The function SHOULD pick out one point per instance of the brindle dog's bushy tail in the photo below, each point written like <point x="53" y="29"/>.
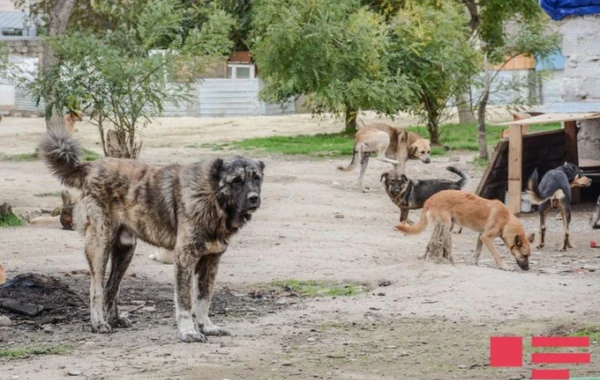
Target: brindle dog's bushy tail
<point x="352" y="163"/>
<point x="62" y="154"/>
<point x="463" y="177"/>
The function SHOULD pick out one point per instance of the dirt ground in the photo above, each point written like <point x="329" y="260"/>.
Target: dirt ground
<point x="433" y="321"/>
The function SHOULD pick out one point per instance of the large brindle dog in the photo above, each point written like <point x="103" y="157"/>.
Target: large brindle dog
<point x="191" y="209"/>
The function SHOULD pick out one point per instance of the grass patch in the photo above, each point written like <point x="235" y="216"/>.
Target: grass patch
<point x="23" y="157"/>
<point x="10" y="220"/>
<point x="90" y="155"/>
<point x="17" y="353"/>
<point x="452" y="136"/>
<point x="318" y="289"/>
<point x="592" y="332"/>
<point x="46" y="195"/>
<point x="464" y="136"/>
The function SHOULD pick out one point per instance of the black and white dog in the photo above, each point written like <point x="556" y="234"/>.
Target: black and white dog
<point x="554" y="191"/>
<point x="410" y="194"/>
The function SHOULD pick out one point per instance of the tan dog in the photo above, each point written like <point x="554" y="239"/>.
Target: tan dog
<point x="71" y="118"/>
<point x="2" y="275"/>
<point x="163" y="256"/>
<point x="392" y="145"/>
<point x="491" y="218"/>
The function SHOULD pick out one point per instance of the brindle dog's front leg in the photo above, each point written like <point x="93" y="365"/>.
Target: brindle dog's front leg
<point x="204" y="285"/>
<point x="185" y="264"/>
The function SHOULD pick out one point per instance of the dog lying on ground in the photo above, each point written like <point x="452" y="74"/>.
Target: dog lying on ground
<point x="596" y="216"/>
<point x="392" y="145"/>
<point x="491" y="218"/>
<point x="410" y="194"/>
<point x="2" y="275"/>
<point x="554" y="191"/>
<point x="163" y="256"/>
<point x="192" y="210"/>
<point x="71" y="117"/>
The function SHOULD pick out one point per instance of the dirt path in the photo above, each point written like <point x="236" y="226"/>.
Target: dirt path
<point x="432" y="321"/>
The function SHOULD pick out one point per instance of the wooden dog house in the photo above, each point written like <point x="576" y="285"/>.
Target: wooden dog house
<point x="515" y="159"/>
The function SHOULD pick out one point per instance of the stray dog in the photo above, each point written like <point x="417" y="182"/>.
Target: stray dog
<point x="491" y="218"/>
<point x="554" y="191"/>
<point x="71" y="118"/>
<point x="596" y="216"/>
<point x="392" y="145"/>
<point x="411" y="195"/>
<point x="2" y="275"/>
<point x="192" y="210"/>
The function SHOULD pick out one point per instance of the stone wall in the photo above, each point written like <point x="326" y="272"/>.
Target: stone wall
<point x="25" y="47"/>
<point x="581" y="81"/>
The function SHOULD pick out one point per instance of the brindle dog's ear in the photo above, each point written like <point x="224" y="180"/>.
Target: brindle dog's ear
<point x="262" y="165"/>
<point x="404" y="178"/>
<point x="216" y="169"/>
<point x="386" y="176"/>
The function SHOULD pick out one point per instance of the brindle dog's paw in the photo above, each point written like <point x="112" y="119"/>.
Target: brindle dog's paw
<point x="121" y="322"/>
<point x="191" y="337"/>
<point x="215" y="331"/>
<point x="101" y="328"/>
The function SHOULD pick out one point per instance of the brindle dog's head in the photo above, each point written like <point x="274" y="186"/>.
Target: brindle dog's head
<point x="239" y="182"/>
<point x="395" y="185"/>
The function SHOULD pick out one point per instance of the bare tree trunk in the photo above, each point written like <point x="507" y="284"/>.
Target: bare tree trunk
<point x="481" y="111"/>
<point x="351" y="116"/>
<point x="440" y="245"/>
<point x="58" y="17"/>
<point x="433" y="118"/>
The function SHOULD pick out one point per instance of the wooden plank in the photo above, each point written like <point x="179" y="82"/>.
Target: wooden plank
<point x="515" y="167"/>
<point x="572" y="154"/>
<point x="553" y="118"/>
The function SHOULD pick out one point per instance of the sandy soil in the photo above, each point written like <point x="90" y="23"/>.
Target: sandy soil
<point x="433" y="321"/>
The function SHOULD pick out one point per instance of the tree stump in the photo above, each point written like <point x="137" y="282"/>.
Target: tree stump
<point x="440" y="245"/>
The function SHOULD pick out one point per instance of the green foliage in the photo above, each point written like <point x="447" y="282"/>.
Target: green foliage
<point x="90" y="155"/>
<point x="430" y="45"/>
<point x="120" y="79"/>
<point x="319" y="289"/>
<point x="334" y="52"/>
<point x="17" y="353"/>
<point x="10" y="220"/>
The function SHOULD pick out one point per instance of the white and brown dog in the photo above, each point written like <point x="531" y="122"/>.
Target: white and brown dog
<point x="392" y="145"/>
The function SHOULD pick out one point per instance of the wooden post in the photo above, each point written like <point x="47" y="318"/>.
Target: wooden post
<point x="515" y="167"/>
<point x="572" y="154"/>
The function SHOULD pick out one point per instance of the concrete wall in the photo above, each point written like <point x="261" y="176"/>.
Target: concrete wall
<point x="581" y="81"/>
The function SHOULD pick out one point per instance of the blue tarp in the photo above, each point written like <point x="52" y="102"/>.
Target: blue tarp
<point x="559" y="9"/>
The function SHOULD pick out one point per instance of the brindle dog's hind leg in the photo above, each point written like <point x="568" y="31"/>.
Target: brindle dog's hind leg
<point x="122" y="253"/>
<point x="565" y="209"/>
<point x="544" y="208"/>
<point x="98" y="246"/>
<point x="204" y="285"/>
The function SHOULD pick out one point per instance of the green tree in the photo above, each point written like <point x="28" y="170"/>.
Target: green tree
<point x="430" y="45"/>
<point x="499" y="44"/>
<point x="334" y="52"/>
<point x="117" y="78"/>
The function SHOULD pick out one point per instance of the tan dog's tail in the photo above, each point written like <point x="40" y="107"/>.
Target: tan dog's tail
<point x="416" y="228"/>
<point x="62" y="154"/>
<point x="352" y="163"/>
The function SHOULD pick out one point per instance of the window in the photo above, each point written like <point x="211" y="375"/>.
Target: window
<point x="240" y="71"/>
